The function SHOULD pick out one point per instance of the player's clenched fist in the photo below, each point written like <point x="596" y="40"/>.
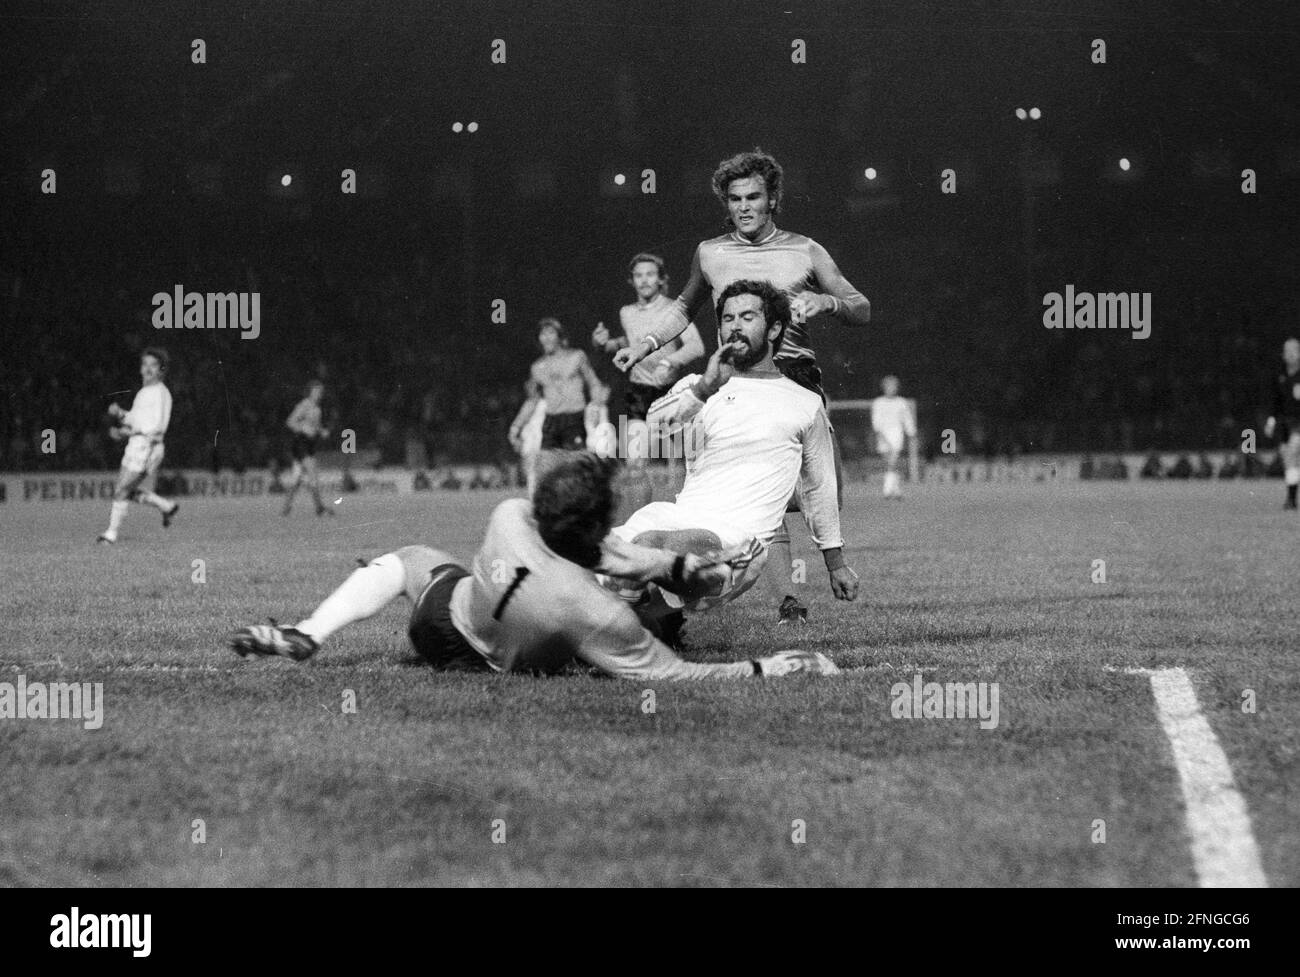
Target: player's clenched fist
<point x="844" y="583"/>
<point x="629" y="356"/>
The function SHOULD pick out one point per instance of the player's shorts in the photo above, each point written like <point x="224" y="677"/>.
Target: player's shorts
<point x="302" y="447"/>
<point x="670" y="517"/>
<point x="889" y="443"/>
<point x="141" y="461"/>
<point x="433" y="636"/>
<point x="638" y="397"/>
<point x="564" y="432"/>
<point x="805" y="372"/>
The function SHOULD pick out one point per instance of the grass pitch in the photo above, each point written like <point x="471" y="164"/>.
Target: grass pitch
<point x="465" y="780"/>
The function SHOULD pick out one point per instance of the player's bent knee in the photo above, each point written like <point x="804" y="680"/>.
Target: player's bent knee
<point x="416" y="563"/>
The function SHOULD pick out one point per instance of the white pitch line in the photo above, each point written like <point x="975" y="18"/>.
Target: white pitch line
<point x="1224" y="852"/>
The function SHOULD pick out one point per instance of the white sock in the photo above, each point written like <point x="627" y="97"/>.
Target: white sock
<point x="115" y="516"/>
<point x="365" y="593"/>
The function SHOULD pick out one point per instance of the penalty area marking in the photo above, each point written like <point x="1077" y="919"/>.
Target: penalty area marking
<point x="1224" y="852"/>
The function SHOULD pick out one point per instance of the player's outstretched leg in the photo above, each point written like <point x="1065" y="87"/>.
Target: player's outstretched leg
<point x="363" y="594"/>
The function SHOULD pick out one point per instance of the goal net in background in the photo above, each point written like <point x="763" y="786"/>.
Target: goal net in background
<point x="852" y="422"/>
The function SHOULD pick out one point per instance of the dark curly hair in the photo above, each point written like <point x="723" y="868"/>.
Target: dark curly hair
<point x="776" y="304"/>
<point x="742" y="165"/>
<point x="573" y="504"/>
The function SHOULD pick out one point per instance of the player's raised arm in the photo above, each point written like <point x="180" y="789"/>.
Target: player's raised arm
<point x="839" y="297"/>
<point x="672" y="323"/>
<point x="820" y="501"/>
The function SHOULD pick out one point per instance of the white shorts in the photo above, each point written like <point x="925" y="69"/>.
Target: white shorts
<point x="141" y="457"/>
<point x="889" y="443"/>
<point x="670" y="517"/>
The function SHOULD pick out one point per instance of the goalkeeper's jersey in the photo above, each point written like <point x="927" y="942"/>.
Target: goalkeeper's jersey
<point x="524" y="607"/>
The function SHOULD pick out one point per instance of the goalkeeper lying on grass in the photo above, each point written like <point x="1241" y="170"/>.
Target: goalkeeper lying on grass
<point x="531" y="602"/>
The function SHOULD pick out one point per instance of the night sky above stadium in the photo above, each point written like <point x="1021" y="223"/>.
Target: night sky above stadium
<point x="163" y="163"/>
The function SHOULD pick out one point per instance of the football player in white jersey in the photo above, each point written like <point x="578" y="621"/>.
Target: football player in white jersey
<point x="529" y="601"/>
<point x="752" y="435"/>
<point x="143" y="427"/>
<point x="892" y="422"/>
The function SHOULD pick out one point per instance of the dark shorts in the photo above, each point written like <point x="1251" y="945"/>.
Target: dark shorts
<point x="302" y="447"/>
<point x="804" y="372"/>
<point x="638" y="397"/>
<point x="564" y="432"/>
<point x="432" y="634"/>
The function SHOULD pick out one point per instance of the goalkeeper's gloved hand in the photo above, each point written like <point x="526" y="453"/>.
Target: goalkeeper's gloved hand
<point x="795" y="660"/>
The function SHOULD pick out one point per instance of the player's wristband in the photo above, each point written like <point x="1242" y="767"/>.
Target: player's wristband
<point x="654" y="343"/>
<point x="834" y="559"/>
<point x="835" y="308"/>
